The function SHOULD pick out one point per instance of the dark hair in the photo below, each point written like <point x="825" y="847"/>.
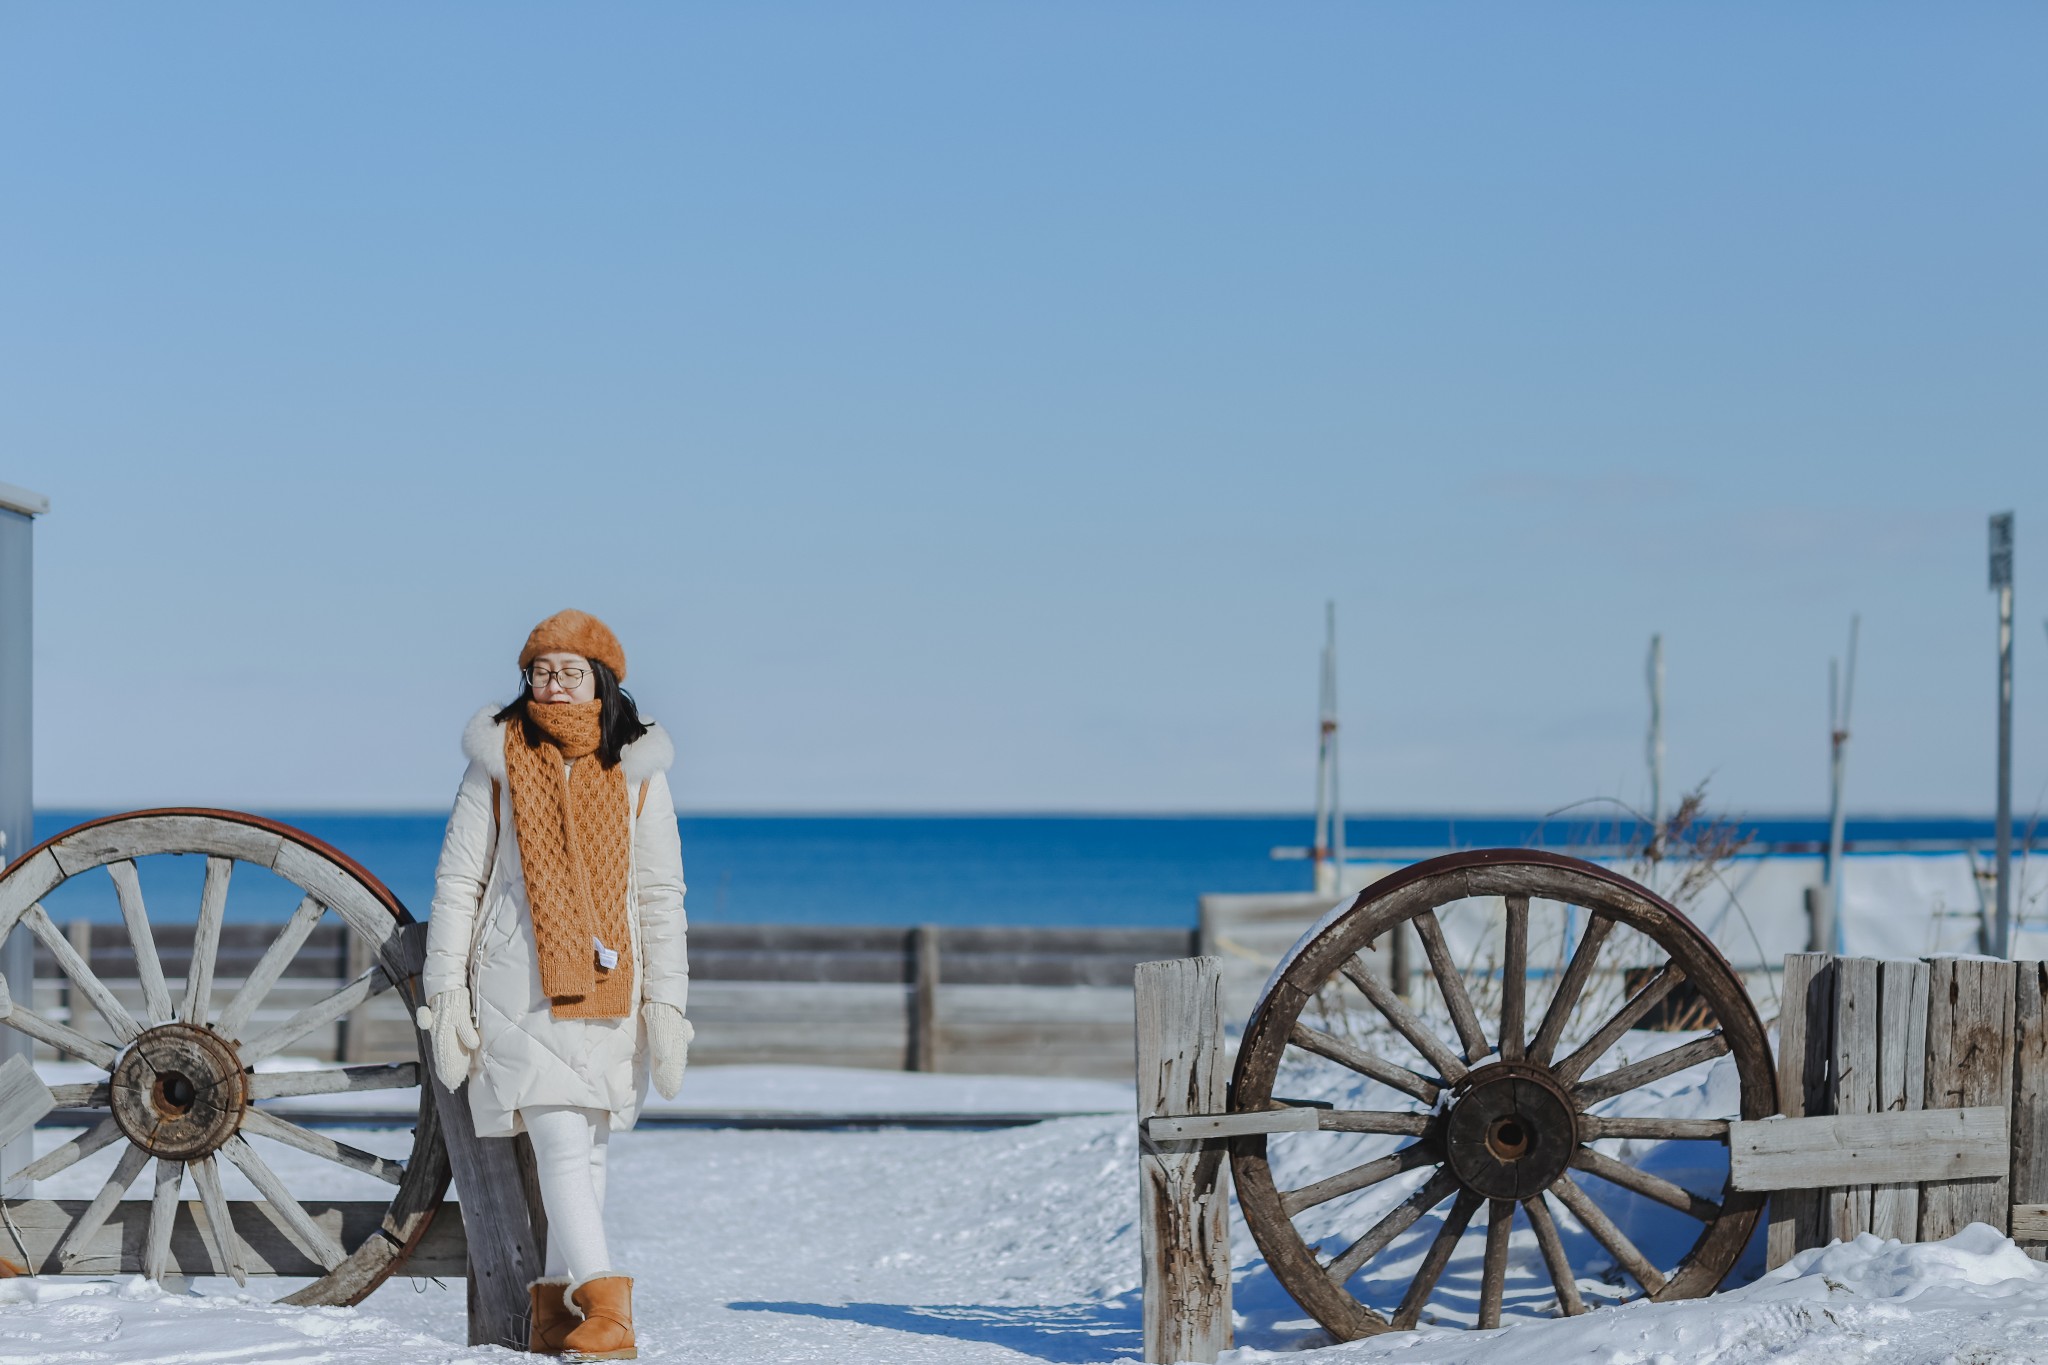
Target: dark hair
<point x="619" y="722"/>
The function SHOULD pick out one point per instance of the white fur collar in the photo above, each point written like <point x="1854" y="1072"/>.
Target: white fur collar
<point x="483" y="741"/>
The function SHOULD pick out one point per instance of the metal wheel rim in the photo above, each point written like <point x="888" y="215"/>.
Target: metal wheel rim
<point x="1407" y="896"/>
<point x="326" y="877"/>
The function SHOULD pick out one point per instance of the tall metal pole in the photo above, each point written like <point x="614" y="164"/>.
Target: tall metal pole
<point x="1656" y="740"/>
<point x="2001" y="583"/>
<point x="1329" y="849"/>
<point x="1841" y="698"/>
<point x="1337" y="852"/>
<point x="18" y="510"/>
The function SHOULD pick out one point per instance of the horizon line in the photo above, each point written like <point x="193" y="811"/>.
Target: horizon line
<point x="1068" y="813"/>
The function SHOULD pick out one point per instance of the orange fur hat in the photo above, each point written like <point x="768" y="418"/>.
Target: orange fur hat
<point x="576" y="632"/>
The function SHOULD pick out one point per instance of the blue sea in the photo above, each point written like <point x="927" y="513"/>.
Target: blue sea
<point x="969" y="869"/>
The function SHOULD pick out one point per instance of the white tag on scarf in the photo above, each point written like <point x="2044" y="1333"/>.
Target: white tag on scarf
<point x="607" y="958"/>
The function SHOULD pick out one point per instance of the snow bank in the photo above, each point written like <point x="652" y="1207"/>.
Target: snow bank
<point x="1975" y="1299"/>
<point x="1018" y="1245"/>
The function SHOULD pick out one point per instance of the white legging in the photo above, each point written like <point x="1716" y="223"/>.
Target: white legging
<point x="568" y="1150"/>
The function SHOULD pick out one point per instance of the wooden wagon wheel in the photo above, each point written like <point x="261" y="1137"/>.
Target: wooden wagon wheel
<point x="182" y="1086"/>
<point x="1496" y="1116"/>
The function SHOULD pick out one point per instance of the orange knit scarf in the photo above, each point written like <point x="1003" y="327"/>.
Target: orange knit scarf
<point x="575" y="841"/>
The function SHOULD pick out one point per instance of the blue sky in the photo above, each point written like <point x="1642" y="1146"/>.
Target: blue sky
<point x="970" y="407"/>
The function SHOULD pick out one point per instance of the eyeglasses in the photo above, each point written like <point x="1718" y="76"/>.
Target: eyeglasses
<point x="571" y="678"/>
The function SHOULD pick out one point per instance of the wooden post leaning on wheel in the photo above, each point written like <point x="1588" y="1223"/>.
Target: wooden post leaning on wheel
<point x="1183" y="1200"/>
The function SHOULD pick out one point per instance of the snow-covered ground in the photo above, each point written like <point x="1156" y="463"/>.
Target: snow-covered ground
<point x="1006" y="1245"/>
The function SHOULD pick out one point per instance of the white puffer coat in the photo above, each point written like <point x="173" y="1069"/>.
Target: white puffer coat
<point x="480" y="936"/>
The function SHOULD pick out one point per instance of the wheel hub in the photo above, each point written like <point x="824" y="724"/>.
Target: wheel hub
<point x="1511" y="1131"/>
<point x="179" y="1092"/>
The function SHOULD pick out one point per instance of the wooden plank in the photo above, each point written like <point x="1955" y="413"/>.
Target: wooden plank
<point x="1812" y="1153"/>
<point x="1853" y="1082"/>
<point x="1806" y="1003"/>
<point x="504" y="1257"/>
<point x="1969" y="1063"/>
<point x="1184" y="1203"/>
<point x="120" y="1245"/>
<point x="23" y="1098"/>
<point x="1200" y="1126"/>
<point x="2030" y="1094"/>
<point x="2029" y="1223"/>
<point x="1902" y="1082"/>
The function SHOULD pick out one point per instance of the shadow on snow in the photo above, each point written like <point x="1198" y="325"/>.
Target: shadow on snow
<point x="1065" y="1334"/>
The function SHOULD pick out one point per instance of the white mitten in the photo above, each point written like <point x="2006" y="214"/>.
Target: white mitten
<point x="668" y="1039"/>
<point x="453" y="1033"/>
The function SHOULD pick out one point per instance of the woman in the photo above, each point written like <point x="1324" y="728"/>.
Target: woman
<point x="556" y="975"/>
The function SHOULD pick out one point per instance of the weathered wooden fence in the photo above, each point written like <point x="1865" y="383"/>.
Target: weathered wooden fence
<point x="992" y="1000"/>
<point x="1935" y="1077"/>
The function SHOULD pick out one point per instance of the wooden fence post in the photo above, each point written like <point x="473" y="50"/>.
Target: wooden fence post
<point x="924" y="998"/>
<point x="1806" y="1007"/>
<point x="353" y="1044"/>
<point x="1969" y="1063"/>
<point x="1183" y="1202"/>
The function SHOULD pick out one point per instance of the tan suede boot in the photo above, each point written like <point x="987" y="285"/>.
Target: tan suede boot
<point x="606" y="1332"/>
<point x="551" y="1316"/>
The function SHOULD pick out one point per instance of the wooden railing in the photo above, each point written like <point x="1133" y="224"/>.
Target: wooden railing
<point x="1037" y="1001"/>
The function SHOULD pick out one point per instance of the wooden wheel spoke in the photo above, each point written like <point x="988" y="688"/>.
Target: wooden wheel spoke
<point x="342" y="1080"/>
<point x="102" y="1135"/>
<point x="318" y="1015"/>
<point x="1514" y="981"/>
<point x="1626" y="1078"/>
<point x="24" y="1020"/>
<point x="1649" y="1186"/>
<point x="1627" y="1017"/>
<point x="1397" y="1221"/>
<point x="1566" y="996"/>
<point x="1593" y="1127"/>
<point x="1451" y="984"/>
<point x="1500" y="1223"/>
<point x="1373" y="1121"/>
<point x="1359" y="1060"/>
<point x="264" y="976"/>
<point x="149" y="968"/>
<point x="320" y="1145"/>
<point x="85" y="1095"/>
<point x="310" y="1236"/>
<point x="1441" y="1248"/>
<point x="1406" y="1021"/>
<point x="1409" y="1158"/>
<point x="163" y="1213"/>
<point x="1554" y="1259"/>
<point x="95" y="1214"/>
<point x="213" y="902"/>
<point x="227" y="1243"/>
<point x="82" y="978"/>
<point x="1613" y="1238"/>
